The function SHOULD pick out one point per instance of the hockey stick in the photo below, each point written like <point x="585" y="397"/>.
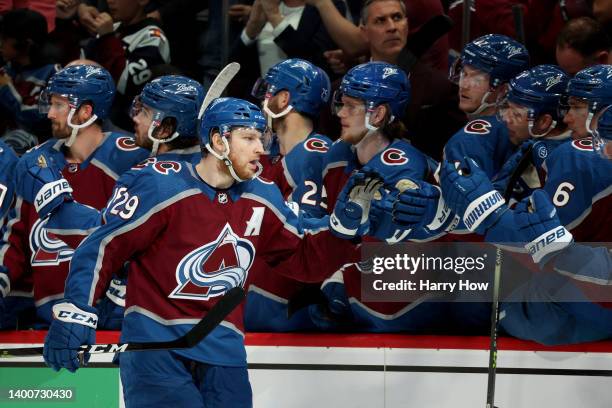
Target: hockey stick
<point x="519" y="25"/>
<point x="219" y="84"/>
<point x="215" y="315"/>
<point x="466" y="22"/>
<point x="492" y="371"/>
<point x="422" y="40"/>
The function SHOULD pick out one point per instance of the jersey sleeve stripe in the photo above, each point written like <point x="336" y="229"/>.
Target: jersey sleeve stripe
<point x="128" y="227"/>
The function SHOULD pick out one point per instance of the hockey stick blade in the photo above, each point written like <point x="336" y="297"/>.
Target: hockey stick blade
<point x="215" y="315"/>
<point x="219" y="84"/>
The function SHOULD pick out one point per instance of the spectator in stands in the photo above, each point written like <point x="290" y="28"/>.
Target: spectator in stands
<point x="45" y="7"/>
<point x="581" y="43"/>
<point x="23" y="33"/>
<point x="276" y="31"/>
<point x="543" y="20"/>
<point x="432" y="116"/>
<point x="128" y="50"/>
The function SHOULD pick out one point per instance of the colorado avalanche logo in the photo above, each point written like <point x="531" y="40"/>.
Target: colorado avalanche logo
<point x="214" y="268"/>
<point x="46" y="248"/>
<point x="126" y="143"/>
<point x="394" y="157"/>
<point x="585" y="145"/>
<point x="316" y="145"/>
<point x="478" y="127"/>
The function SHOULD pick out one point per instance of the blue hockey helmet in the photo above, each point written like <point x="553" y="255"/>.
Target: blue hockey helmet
<point x="602" y="137"/>
<point x="376" y="83"/>
<point x="224" y="114"/>
<point x="173" y="96"/>
<point x="495" y="54"/>
<point x="307" y="84"/>
<point x="540" y="90"/>
<point x="80" y="84"/>
<point x="593" y="84"/>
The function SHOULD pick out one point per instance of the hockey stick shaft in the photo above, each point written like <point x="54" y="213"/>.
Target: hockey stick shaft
<point x="519" y="25"/>
<point x="518" y="171"/>
<point x="466" y="22"/>
<point x="218" y="86"/>
<point x="204" y="327"/>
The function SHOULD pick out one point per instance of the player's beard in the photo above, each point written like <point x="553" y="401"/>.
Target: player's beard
<point x="59" y="130"/>
<point x="241" y="169"/>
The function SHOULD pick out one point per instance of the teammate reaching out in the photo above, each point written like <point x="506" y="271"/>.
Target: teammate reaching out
<point x="78" y="98"/>
<point x="293" y="93"/>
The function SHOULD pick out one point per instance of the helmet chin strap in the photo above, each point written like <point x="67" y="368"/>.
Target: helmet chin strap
<point x="587" y="122"/>
<point x="75" y="128"/>
<point x="482" y="107"/>
<point x="271" y="115"/>
<point x="157" y="142"/>
<point x="224" y="157"/>
<point x="550" y="128"/>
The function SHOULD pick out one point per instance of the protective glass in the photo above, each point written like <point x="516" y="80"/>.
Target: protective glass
<point x="513" y="114"/>
<point x="468" y="77"/>
<point x="260" y="89"/>
<point x="352" y="108"/>
<point x="45" y="103"/>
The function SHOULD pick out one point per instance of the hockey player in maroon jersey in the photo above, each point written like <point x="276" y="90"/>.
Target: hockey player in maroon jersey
<point x="78" y="98"/>
<point x="165" y="123"/>
<point x="191" y="233"/>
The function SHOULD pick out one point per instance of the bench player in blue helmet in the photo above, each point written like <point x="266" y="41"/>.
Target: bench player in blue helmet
<point x="533" y="111"/>
<point x="165" y="123"/>
<point x="207" y="223"/>
<point x="482" y="72"/>
<point x="370" y="99"/>
<point x="589" y="91"/>
<point x="293" y="92"/>
<point x="563" y="307"/>
<point x="80" y="161"/>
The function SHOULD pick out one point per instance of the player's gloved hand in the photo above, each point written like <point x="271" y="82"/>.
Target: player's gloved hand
<point x="350" y="216"/>
<point x="40" y="182"/>
<point x="336" y="312"/>
<point x="421" y="205"/>
<point x="470" y="194"/>
<point x="536" y="219"/>
<point x="112" y="306"/>
<point x="381" y="223"/>
<point x="72" y="327"/>
<point x="501" y="179"/>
